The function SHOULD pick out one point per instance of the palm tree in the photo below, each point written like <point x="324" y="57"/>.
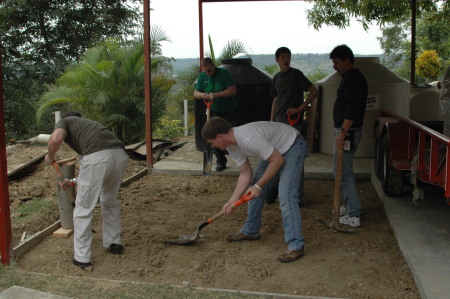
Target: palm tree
<point x="107" y="85"/>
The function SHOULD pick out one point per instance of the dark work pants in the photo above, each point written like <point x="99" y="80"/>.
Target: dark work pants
<point x="231" y="117"/>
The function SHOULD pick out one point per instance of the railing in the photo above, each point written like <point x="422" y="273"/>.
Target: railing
<point x="432" y="149"/>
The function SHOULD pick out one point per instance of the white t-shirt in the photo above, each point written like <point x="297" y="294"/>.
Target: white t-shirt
<point x="259" y="139"/>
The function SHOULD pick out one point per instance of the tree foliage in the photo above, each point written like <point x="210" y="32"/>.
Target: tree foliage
<point x="428" y="65"/>
<point x="107" y="85"/>
<point x="381" y="12"/>
<point x="40" y="38"/>
<point x="395" y="42"/>
<point x="57" y="31"/>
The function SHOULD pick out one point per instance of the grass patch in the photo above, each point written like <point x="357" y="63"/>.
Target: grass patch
<point x="85" y="287"/>
<point x="37" y="207"/>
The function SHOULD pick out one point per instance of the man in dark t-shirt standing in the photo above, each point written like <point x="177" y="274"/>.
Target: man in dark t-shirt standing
<point x="348" y="114"/>
<point x="287" y="89"/>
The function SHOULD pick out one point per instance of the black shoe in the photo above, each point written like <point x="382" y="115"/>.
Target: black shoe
<point x="221" y="166"/>
<point x="80" y="264"/>
<point x="115" y="249"/>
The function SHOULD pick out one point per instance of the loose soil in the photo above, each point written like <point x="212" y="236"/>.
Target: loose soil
<point x="155" y="208"/>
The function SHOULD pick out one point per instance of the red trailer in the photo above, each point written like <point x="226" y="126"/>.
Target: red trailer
<point x="404" y="147"/>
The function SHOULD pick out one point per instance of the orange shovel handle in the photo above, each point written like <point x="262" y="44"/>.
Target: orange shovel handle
<point x="244" y="198"/>
<point x="58" y="171"/>
<point x="293" y="121"/>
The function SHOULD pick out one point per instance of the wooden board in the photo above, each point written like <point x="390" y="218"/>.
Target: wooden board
<point x="63" y="232"/>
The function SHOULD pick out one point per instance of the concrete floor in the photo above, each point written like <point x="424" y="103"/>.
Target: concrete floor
<point x="188" y="161"/>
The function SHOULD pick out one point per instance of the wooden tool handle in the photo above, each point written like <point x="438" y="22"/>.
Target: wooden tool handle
<point x="337" y="186"/>
<point x="58" y="171"/>
<point x="64" y="161"/>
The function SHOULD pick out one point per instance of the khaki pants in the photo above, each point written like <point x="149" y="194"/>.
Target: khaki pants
<point x="98" y="180"/>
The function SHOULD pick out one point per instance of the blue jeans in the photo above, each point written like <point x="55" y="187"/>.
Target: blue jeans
<point x="348" y="187"/>
<point x="288" y="194"/>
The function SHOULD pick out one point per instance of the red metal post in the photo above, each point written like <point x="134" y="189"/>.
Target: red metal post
<point x="200" y="28"/>
<point x="413" y="42"/>
<point x="5" y="217"/>
<point x="147" y="86"/>
<point x="446" y="175"/>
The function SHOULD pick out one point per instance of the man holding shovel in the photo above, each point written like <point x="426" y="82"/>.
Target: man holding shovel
<point x="287" y="89"/>
<point x="103" y="161"/>
<point x="348" y="114"/>
<point x="282" y="149"/>
<point x="216" y="85"/>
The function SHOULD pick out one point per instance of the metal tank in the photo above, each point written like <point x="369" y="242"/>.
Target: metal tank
<point x="252" y="96"/>
<point x="386" y="90"/>
<point x="424" y="104"/>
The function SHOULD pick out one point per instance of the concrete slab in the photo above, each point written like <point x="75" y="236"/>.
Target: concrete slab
<point x="188" y="161"/>
<point x="423" y="235"/>
<point x="17" y="292"/>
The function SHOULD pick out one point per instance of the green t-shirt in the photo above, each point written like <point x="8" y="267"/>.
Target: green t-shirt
<point x="220" y="81"/>
<point x="86" y="136"/>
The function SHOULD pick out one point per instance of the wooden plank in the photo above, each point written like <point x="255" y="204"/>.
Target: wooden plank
<point x="23" y="248"/>
<point x="312" y="126"/>
<point x="21" y="167"/>
<point x="63" y="232"/>
<point x="134" y="177"/>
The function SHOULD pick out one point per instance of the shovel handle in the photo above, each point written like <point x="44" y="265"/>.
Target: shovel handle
<point x="58" y="170"/>
<point x="244" y="198"/>
<point x="64" y="161"/>
<point x="208" y="104"/>
<point x="293" y="121"/>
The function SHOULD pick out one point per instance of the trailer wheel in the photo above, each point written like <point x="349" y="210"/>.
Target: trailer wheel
<point x="392" y="179"/>
<point x="378" y="158"/>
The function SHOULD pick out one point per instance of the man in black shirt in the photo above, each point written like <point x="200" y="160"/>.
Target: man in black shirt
<point x="348" y="115"/>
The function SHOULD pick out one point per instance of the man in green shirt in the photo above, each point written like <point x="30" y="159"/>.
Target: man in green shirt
<point x="216" y="85"/>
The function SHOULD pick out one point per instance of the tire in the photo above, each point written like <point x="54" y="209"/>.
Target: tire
<point x="378" y="157"/>
<point x="392" y="179"/>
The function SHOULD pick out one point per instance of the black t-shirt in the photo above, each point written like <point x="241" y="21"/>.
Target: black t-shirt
<point x="351" y="99"/>
<point x="289" y="87"/>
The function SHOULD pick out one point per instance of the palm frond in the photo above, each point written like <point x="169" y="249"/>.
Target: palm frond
<point x="211" y="49"/>
<point x="233" y="48"/>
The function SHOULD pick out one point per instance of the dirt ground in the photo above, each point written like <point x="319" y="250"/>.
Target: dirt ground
<point x="155" y="208"/>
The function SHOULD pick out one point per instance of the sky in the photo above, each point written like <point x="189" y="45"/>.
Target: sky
<point x="263" y="26"/>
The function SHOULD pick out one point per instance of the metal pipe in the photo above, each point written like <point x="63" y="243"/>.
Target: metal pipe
<point x="147" y="86"/>
<point x="186" y="125"/>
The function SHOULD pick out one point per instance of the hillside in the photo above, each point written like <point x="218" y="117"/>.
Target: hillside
<point x="308" y="63"/>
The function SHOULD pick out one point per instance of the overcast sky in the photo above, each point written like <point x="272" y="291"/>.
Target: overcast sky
<point x="262" y="26"/>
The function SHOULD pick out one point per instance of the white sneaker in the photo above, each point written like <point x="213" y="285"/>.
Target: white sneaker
<point x="352" y="221"/>
<point x="342" y="211"/>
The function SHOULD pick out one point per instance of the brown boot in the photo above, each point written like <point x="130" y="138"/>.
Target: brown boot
<point x="291" y="255"/>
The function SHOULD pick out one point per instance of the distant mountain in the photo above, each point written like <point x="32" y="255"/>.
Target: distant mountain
<point x="307" y="63"/>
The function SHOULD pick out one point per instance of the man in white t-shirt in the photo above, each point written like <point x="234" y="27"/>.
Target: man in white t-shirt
<point x="281" y="149"/>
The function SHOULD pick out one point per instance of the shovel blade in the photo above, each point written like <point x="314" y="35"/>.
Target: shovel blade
<point x="183" y="240"/>
<point x="207" y="161"/>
